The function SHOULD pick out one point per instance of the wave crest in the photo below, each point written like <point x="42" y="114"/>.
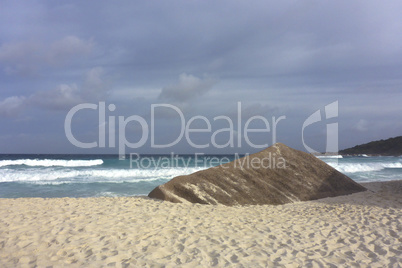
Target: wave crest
<point x="329" y="156"/>
<point x="357" y="167"/>
<point x="52" y="176"/>
<point x="51" y="163"/>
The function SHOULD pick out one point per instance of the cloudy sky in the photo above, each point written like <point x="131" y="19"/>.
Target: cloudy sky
<point x="216" y="62"/>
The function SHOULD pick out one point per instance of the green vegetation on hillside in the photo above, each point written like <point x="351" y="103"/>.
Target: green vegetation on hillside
<point x="392" y="146"/>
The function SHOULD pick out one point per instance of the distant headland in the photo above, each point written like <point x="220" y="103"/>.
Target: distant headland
<point x="388" y="147"/>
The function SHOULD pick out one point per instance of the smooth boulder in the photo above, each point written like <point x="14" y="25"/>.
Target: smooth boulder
<point x="276" y="175"/>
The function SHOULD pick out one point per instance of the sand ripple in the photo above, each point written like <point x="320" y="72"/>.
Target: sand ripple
<point x="360" y="230"/>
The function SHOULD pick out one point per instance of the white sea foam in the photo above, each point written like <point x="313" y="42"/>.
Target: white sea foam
<point x="352" y="168"/>
<point x="329" y="156"/>
<point x="367" y="167"/>
<point x="51" y="163"/>
<point x="54" y="176"/>
<point x="393" y="165"/>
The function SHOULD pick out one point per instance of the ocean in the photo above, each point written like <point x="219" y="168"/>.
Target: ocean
<point x="51" y="176"/>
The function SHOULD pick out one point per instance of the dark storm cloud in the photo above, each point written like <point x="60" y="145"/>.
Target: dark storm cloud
<point x="282" y="58"/>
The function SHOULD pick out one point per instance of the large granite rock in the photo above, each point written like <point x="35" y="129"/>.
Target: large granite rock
<point x="276" y="175"/>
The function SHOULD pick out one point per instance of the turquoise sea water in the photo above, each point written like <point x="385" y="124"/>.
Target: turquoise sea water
<point x="106" y="175"/>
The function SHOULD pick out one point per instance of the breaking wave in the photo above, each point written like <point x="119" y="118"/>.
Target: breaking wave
<point x="329" y="156"/>
<point x="51" y="163"/>
<point x="358" y="167"/>
<point x="54" y="176"/>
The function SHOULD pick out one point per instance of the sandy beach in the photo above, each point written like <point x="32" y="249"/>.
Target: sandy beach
<point x="359" y="230"/>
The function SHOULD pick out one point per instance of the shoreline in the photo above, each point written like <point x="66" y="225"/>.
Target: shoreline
<point x="362" y="229"/>
<point x="146" y="195"/>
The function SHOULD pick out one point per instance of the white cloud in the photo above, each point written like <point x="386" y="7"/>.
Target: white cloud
<point x="95" y="84"/>
<point x="11" y="106"/>
<point x="94" y="88"/>
<point x="188" y="87"/>
<point x="19" y="57"/>
<point x="362" y="125"/>
<point x="28" y="57"/>
<point x="69" y="46"/>
<point x="63" y="97"/>
<point x="11" y="52"/>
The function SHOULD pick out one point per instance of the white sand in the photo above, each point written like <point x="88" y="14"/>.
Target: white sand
<point x="359" y="230"/>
